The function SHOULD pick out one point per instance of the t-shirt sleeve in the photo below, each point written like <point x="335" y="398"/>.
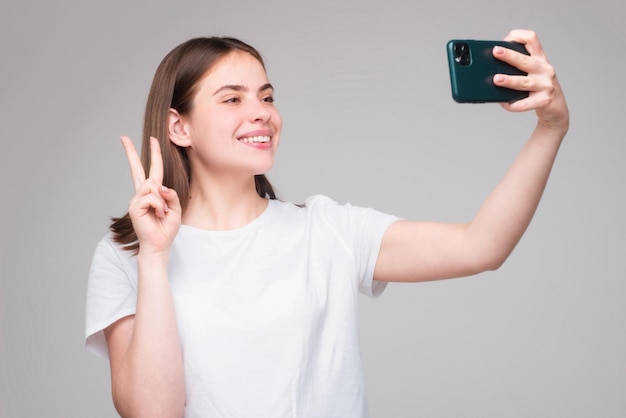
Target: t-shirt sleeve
<point x="362" y="230"/>
<point x="111" y="292"/>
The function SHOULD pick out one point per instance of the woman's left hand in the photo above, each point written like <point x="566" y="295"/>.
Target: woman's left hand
<point x="545" y="94"/>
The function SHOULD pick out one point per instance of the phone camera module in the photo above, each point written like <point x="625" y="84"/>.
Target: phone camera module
<point x="462" y="53"/>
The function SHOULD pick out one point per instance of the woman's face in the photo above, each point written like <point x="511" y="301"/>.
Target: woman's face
<point x="233" y="126"/>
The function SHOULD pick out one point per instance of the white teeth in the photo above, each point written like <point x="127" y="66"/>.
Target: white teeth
<point x="252" y="139"/>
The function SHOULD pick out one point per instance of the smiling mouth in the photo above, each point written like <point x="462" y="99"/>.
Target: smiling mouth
<point x="255" y="139"/>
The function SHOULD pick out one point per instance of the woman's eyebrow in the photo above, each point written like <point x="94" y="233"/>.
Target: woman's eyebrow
<point x="237" y="87"/>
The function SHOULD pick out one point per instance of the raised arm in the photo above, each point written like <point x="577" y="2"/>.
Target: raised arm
<point x="421" y="251"/>
<point x="146" y="361"/>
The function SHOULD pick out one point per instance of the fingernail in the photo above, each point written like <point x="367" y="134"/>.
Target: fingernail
<point x="498" y="50"/>
<point x="164" y="189"/>
<point x="498" y="78"/>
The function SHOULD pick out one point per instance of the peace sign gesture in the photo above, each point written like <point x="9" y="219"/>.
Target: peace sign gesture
<point x="154" y="209"/>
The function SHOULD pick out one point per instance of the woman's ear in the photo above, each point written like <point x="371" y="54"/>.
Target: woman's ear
<point x="177" y="130"/>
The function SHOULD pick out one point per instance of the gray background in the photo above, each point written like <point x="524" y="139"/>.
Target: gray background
<point x="364" y="91"/>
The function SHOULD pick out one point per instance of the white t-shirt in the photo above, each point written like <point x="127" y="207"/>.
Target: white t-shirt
<point x="267" y="314"/>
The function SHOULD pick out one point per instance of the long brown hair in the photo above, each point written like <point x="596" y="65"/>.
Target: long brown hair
<point x="174" y="86"/>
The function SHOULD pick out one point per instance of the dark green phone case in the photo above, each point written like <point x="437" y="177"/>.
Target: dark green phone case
<point x="472" y="67"/>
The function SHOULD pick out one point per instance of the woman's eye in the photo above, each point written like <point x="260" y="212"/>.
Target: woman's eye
<point x="232" y="100"/>
<point x="269" y="99"/>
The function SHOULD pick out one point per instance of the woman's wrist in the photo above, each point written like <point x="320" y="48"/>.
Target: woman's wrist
<point x="153" y="258"/>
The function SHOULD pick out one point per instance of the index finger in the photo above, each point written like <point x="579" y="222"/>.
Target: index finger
<point x="136" y="169"/>
<point x="156" y="161"/>
<point x="528" y="38"/>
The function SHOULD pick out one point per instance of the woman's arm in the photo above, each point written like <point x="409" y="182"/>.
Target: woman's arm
<point x="420" y="251"/>
<point x="144" y="350"/>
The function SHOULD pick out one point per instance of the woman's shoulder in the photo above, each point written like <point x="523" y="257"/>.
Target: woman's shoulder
<point x="319" y="200"/>
<point x="317" y="208"/>
<point x="313" y="201"/>
<point x="108" y="248"/>
<point x="313" y="204"/>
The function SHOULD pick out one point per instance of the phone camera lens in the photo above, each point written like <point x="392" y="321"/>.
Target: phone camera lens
<point x="462" y="53"/>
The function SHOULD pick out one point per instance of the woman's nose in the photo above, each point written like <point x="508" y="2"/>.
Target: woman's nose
<point x="260" y="113"/>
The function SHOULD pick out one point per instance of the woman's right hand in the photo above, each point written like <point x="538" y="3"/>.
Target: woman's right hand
<point x="155" y="210"/>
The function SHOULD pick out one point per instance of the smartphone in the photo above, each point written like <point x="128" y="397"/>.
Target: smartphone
<point x="472" y="67"/>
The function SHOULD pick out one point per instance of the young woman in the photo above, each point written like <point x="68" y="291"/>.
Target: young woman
<point x="213" y="298"/>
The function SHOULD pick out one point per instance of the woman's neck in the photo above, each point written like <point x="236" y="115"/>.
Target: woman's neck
<point x="223" y="205"/>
